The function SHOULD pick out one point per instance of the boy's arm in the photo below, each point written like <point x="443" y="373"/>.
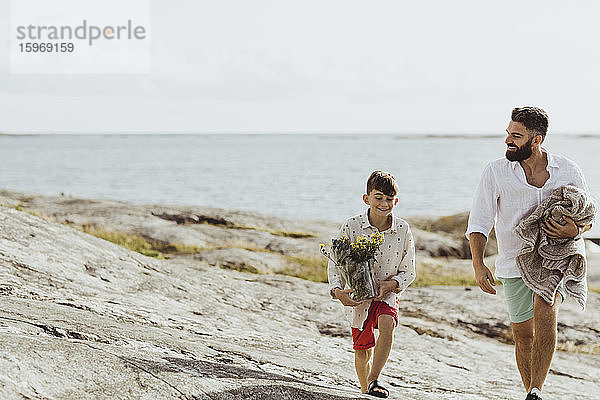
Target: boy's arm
<point x="336" y="281"/>
<point x="335" y="278"/>
<point x="406" y="270"/>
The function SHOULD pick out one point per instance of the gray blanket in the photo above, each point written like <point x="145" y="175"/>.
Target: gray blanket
<point x="543" y="261"/>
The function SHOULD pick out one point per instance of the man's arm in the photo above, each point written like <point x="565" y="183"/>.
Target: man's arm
<point x="481" y="221"/>
<point x="581" y="183"/>
<point x="569" y="230"/>
<point x="483" y="275"/>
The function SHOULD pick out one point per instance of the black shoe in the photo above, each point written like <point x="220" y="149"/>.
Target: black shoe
<point x="533" y="396"/>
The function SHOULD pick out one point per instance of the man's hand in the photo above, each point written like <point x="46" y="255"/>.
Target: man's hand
<point x="344" y="297"/>
<point x="555" y="230"/>
<point x="485" y="278"/>
<point x="483" y="275"/>
<point x="386" y="287"/>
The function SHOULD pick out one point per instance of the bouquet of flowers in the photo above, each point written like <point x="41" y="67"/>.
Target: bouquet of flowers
<point x="354" y="262"/>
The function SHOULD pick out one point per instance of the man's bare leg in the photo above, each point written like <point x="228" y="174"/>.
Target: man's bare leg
<point x="544" y="339"/>
<point x="381" y="352"/>
<point x="523" y="336"/>
<point x="363" y="367"/>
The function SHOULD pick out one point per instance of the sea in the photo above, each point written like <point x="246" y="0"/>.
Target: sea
<point x="300" y="176"/>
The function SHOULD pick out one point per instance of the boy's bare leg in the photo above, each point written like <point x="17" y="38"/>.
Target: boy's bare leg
<point x="544" y="339"/>
<point x="523" y="336"/>
<point x="381" y="351"/>
<point x="363" y="367"/>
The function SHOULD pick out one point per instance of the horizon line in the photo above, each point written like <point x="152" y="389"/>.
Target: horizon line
<point x="272" y="133"/>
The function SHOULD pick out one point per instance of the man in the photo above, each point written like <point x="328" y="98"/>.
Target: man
<point x="509" y="190"/>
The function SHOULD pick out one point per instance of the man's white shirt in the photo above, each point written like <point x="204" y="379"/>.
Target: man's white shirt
<point x="504" y="198"/>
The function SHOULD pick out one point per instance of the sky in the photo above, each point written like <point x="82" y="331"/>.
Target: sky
<point x="329" y="66"/>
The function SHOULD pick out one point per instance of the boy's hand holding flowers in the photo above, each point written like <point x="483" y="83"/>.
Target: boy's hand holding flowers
<point x="344" y="297"/>
<point x="353" y="258"/>
<point x="386" y="287"/>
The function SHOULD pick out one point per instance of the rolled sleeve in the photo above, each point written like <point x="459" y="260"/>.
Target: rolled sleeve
<point x="335" y="278"/>
<point x="406" y="270"/>
<point x="580" y="182"/>
<point x="485" y="201"/>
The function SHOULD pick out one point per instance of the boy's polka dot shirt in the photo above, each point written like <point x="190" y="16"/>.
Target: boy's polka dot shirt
<point x="395" y="260"/>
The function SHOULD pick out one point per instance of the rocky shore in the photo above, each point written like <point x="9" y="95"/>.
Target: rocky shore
<point x="81" y="317"/>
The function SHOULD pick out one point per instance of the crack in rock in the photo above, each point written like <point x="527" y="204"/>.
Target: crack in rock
<point x="276" y="392"/>
<point x="558" y="373"/>
<point x="182" y="219"/>
<point x="61" y="332"/>
<point x="131" y="362"/>
<point x="498" y="331"/>
<point x="332" y="330"/>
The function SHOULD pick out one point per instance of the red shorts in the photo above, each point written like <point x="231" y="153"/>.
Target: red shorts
<point x="365" y="339"/>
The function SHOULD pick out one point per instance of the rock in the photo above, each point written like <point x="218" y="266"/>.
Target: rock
<point x="446" y="236"/>
<point x="211" y="228"/>
<point x="439" y="244"/>
<point x="243" y="260"/>
<point x="201" y="227"/>
<point x="84" y="318"/>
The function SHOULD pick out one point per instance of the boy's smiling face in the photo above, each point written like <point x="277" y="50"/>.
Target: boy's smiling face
<point x="380" y="203"/>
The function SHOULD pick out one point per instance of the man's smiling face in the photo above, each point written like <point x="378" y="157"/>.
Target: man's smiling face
<point x="518" y="142"/>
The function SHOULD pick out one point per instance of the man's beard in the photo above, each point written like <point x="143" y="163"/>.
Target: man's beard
<point x="522" y="153"/>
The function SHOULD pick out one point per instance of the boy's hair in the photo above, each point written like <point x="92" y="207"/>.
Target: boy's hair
<point x="382" y="181"/>
<point x="534" y="118"/>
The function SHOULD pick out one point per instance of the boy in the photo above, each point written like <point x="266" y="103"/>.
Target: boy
<point x="394" y="270"/>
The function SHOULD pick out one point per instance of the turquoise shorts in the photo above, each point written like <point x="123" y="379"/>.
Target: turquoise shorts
<point x="519" y="298"/>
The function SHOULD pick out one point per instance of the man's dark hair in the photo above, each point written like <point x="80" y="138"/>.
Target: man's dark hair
<point x="533" y="118"/>
<point x="382" y="181"/>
